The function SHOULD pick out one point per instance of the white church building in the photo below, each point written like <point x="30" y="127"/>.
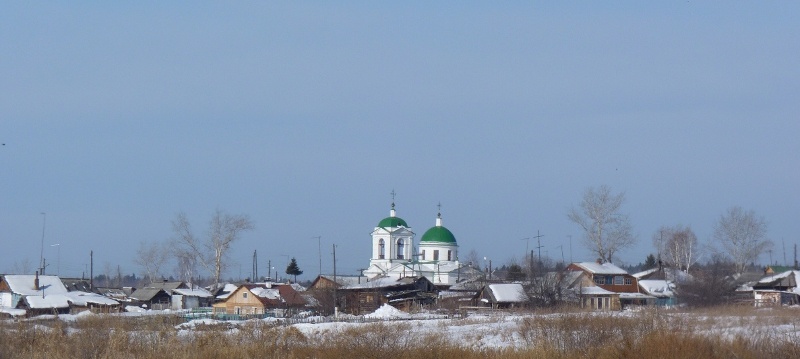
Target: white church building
<point x="395" y="255"/>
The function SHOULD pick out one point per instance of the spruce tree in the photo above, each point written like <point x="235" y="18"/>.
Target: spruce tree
<point x="293" y="269"/>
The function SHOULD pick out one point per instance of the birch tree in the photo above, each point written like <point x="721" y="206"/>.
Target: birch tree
<point x="151" y="257"/>
<point x="678" y="246"/>
<point x="605" y="229"/>
<point x="211" y="251"/>
<point x="742" y="236"/>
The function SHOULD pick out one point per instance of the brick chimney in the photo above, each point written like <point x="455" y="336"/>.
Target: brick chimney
<point x="36" y="281"/>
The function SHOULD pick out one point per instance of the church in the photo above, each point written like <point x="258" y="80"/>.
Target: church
<point x="395" y="254"/>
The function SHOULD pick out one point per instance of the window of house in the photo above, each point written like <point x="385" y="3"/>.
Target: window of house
<point x="244" y="295"/>
<point x="628" y="281"/>
<point x="400" y="248"/>
<point x="618" y="280"/>
<point x="599" y="279"/>
<point x="381" y="249"/>
<point x="436" y="254"/>
<point x="609" y="279"/>
<point x="599" y="303"/>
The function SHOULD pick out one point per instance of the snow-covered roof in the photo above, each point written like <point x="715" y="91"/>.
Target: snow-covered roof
<point x="605" y="268"/>
<point x="508" y="292"/>
<point x="48" y="301"/>
<point x="23" y="284"/>
<point x="641" y="274"/>
<point x="657" y="287"/>
<point x="83" y="299"/>
<point x="346" y="280"/>
<point x="595" y="291"/>
<point x="194" y="292"/>
<point x="381" y="282"/>
<point x="268" y="293"/>
<point x="772" y="278"/>
<point x="635" y="296"/>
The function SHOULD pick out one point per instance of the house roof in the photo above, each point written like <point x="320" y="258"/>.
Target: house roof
<point x="169" y="287"/>
<point x="596" y="291"/>
<point x="23" y="284"/>
<point x="635" y="296"/>
<point x="146" y="294"/>
<point x="194" y="292"/>
<point x="84" y="299"/>
<point x="508" y="293"/>
<point x="657" y="287"/>
<point x="385" y="282"/>
<point x="605" y="268"/>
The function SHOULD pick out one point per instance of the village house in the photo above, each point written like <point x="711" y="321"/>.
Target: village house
<point x="259" y="299"/>
<point x="619" y="289"/>
<point x="404" y="293"/>
<point x="777" y="289"/>
<point x="174" y="295"/>
<point x="33" y="295"/>
<point x="503" y="296"/>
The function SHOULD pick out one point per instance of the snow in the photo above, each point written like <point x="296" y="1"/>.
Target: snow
<point x="266" y="293"/>
<point x="605" y="268"/>
<point x="657" y="287"/>
<point x="775" y="277"/>
<point x="83" y="299"/>
<point x="48" y="301"/>
<point x="387" y="312"/>
<point x="12" y="311"/>
<point x="23" y="284"/>
<point x="595" y="291"/>
<point x="195" y="292"/>
<point x="508" y="292"/>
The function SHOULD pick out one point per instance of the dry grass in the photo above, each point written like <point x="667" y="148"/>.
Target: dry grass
<point x="710" y="333"/>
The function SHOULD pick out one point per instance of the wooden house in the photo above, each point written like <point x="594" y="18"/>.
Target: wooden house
<point x="612" y="279"/>
<point x="404" y="294"/>
<point x="259" y="299"/>
<point x="503" y="296"/>
<point x="31" y="295"/>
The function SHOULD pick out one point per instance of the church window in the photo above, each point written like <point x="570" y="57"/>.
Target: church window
<point x="449" y="256"/>
<point x="436" y="254"/>
<point x="400" y="248"/>
<point x="423" y="254"/>
<point x="381" y="249"/>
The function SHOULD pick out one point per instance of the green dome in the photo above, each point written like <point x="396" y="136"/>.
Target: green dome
<point x="392" y="222"/>
<point x="438" y="234"/>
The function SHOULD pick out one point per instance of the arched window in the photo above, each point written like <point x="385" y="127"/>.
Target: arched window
<point x="400" y="248"/>
<point x="381" y="249"/>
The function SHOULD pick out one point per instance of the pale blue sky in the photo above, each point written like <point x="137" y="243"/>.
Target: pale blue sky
<point x="306" y="116"/>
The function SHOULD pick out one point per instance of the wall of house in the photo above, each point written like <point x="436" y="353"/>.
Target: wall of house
<point x="244" y="300"/>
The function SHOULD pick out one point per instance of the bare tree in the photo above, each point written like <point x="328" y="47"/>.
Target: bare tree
<point x="151" y="257"/>
<point x="22" y="267"/>
<point x="186" y="266"/>
<point x="606" y="230"/>
<point x="742" y="236"/>
<point x="678" y="246"/>
<point x="223" y="230"/>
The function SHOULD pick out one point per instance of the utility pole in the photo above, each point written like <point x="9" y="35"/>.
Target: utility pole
<point x="527" y="240"/>
<point x="41" y="255"/>
<point x="319" y="248"/>
<point x="335" y="284"/>
<point x="539" y="245"/>
<point x="570" y="247"/>
<point x="255" y="265"/>
<point x="91" y="269"/>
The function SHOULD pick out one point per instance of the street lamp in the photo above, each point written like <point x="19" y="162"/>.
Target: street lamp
<point x="58" y="258"/>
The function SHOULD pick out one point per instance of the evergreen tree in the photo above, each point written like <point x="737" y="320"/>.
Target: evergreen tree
<point x="650" y="262"/>
<point x="293" y="269"/>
